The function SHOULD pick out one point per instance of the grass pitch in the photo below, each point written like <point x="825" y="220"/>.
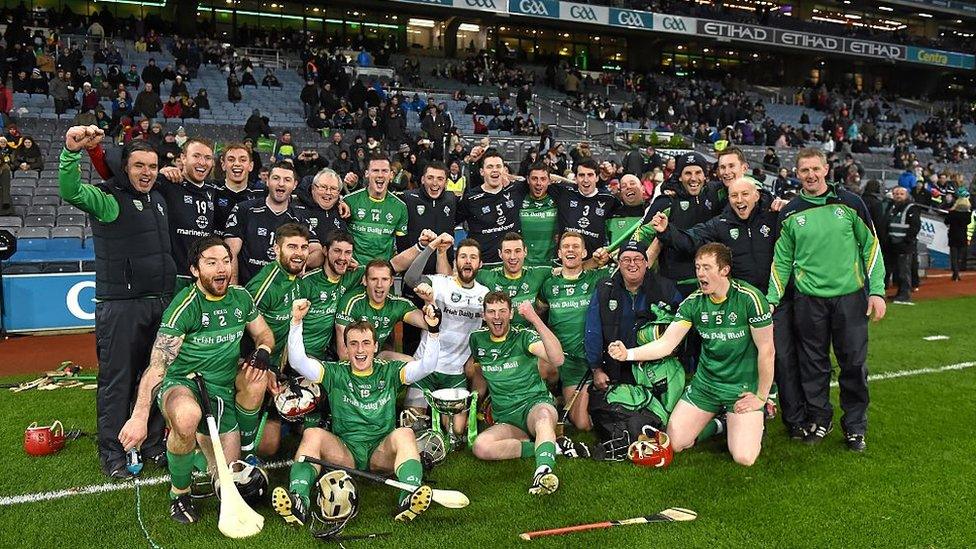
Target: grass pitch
<point x="914" y="487"/>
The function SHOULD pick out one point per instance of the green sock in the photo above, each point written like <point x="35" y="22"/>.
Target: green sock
<point x="247" y="421"/>
<point x="714" y="427"/>
<point x="411" y="472"/>
<point x="180" y="469"/>
<point x="528" y="449"/>
<point x="200" y="461"/>
<point x="300" y="480"/>
<point x="545" y="455"/>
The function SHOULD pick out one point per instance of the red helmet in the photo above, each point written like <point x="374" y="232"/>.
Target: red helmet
<point x="42" y="441"/>
<point x="651" y="452"/>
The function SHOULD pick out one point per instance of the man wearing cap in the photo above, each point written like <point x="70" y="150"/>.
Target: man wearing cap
<point x="614" y="308"/>
<point x="692" y="203"/>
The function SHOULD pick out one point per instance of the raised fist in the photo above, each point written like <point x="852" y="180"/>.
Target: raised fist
<point x="82" y="137"/>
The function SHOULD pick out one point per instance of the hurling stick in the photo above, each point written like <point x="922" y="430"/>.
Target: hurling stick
<point x="674" y="514"/>
<point x="452" y="499"/>
<point x="237" y="519"/>
<point x="561" y="426"/>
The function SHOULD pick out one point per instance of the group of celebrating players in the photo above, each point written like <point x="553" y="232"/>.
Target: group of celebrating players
<point x="289" y="292"/>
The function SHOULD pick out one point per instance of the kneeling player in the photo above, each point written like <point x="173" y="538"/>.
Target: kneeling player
<point x="200" y="333"/>
<point x="521" y="404"/>
<point x="735" y="371"/>
<point x="362" y="393"/>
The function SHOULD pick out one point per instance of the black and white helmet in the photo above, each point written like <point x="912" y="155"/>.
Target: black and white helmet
<point x="251" y="481"/>
<point x="298" y="398"/>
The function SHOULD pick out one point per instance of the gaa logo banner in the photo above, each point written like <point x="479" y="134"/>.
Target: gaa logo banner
<point x="584" y="13"/>
<point x="499" y="6"/>
<point x="538" y="8"/>
<point x="675" y="24"/>
<point x="631" y="18"/>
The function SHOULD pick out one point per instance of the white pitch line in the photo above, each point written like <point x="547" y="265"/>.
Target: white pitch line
<point x="115" y="487"/>
<point x="917" y="372"/>
<point x="103" y="488"/>
<point x="936" y="338"/>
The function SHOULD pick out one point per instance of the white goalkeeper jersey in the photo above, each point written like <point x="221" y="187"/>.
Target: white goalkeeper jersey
<point x="462" y="309"/>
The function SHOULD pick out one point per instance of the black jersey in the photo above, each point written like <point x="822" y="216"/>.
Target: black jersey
<point x="191" y="216"/>
<point x="254" y="223"/>
<point x="490" y="215"/>
<point x="225" y="200"/>
<point x="586" y="215"/>
<point x="322" y="221"/>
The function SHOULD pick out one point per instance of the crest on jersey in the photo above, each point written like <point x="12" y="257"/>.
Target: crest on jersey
<point x="584" y="222"/>
<point x="584" y="287"/>
<point x="455" y="297"/>
<point x="573" y="204"/>
<point x="447" y="210"/>
<point x="323" y="296"/>
<point x="361" y="213"/>
<point x="502" y="220"/>
<point x="262" y="231"/>
<point x="421" y="209"/>
<point x="389" y="217"/>
<point x="239" y="314"/>
<point x="137" y="204"/>
<point x="381" y="384"/>
<point x="188" y="200"/>
<point x="202" y="221"/>
<point x="485" y="209"/>
<point x="764" y="230"/>
<point x="801" y="220"/>
<point x="555" y="290"/>
<point x="205" y="320"/>
<point x="684" y="204"/>
<point x="734" y="233"/>
<point x="612" y="304"/>
<point x="733" y="317"/>
<point x="839" y="212"/>
<point x="313" y="222"/>
<point x="704" y="318"/>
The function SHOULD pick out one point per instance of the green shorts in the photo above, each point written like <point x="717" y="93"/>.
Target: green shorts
<point x="222" y="403"/>
<point x="362" y="450"/>
<point x="713" y="397"/>
<point x="434" y="381"/>
<point x="572" y="371"/>
<point x="519" y="416"/>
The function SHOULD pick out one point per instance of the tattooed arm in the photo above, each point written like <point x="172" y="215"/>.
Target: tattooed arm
<point x="164" y="352"/>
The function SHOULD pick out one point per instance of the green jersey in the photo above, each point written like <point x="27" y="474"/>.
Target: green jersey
<point x="356" y="306"/>
<point x="618" y="227"/>
<point x="375" y="224"/>
<point x="274" y="290"/>
<point x="324" y="295"/>
<point x="524" y="288"/>
<point x="211" y="329"/>
<point x="363" y="406"/>
<point x="538" y="217"/>
<point x="569" y="299"/>
<point x="511" y="370"/>
<point x="728" y="355"/>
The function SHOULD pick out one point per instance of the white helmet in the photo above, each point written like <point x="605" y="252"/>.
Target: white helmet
<point x="337" y="501"/>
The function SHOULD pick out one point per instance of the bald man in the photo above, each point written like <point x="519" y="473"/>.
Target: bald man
<point x="632" y="211"/>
